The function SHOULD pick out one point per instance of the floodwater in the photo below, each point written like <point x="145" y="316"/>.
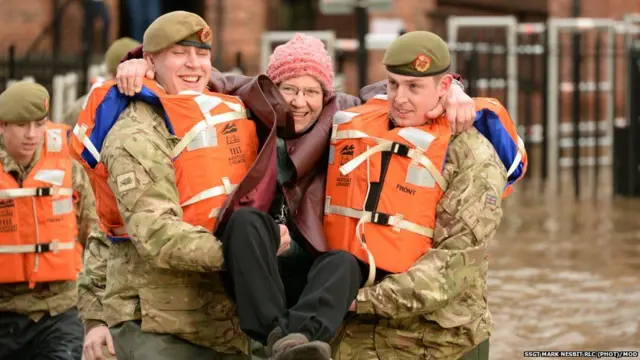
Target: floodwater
<point x="565" y="273"/>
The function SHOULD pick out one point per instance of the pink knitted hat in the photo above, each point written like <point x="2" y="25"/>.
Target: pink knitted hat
<point x="302" y="55"/>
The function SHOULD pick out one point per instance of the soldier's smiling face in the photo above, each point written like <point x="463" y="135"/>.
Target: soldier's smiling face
<point x="181" y="67"/>
<point x="411" y="98"/>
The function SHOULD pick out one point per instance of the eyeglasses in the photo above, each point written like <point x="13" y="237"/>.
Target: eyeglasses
<point x="309" y="93"/>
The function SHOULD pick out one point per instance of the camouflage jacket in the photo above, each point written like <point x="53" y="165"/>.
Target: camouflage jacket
<point x="438" y="308"/>
<point x="92" y="280"/>
<point x="165" y="276"/>
<point x="54" y="297"/>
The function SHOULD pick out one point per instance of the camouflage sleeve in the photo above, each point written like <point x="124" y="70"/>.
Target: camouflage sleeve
<point x="467" y="216"/>
<point x="85" y="202"/>
<point x="92" y="280"/>
<point x="142" y="177"/>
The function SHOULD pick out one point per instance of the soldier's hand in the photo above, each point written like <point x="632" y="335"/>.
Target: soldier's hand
<point x="96" y="338"/>
<point x="460" y="108"/>
<point x="353" y="306"/>
<point x="285" y="239"/>
<point x="130" y="74"/>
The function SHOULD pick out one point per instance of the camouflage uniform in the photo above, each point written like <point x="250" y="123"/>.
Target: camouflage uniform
<point x="165" y="275"/>
<point x="438" y="308"/>
<point x="92" y="280"/>
<point x="55" y="297"/>
<point x="41" y="322"/>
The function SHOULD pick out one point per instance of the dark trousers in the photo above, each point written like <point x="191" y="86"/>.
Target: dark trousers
<point x="271" y="291"/>
<point x="132" y="343"/>
<point x="480" y="352"/>
<point x="57" y="337"/>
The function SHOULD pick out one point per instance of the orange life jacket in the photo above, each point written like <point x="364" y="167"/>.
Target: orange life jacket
<point x="218" y="144"/>
<point x="38" y="227"/>
<point x="493" y="121"/>
<point x="383" y="186"/>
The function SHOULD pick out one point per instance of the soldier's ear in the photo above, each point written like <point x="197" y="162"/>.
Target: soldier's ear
<point x="151" y="65"/>
<point x="444" y="85"/>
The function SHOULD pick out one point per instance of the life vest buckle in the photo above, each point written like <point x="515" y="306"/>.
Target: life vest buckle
<point x="43" y="191"/>
<point x="380" y="218"/>
<point x="53" y="247"/>
<point x="400" y="149"/>
<point x="395" y="222"/>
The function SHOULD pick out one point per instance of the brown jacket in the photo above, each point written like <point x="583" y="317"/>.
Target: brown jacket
<point x="308" y="152"/>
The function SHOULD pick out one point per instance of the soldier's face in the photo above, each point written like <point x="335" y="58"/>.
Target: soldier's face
<point x="22" y="140"/>
<point x="180" y="68"/>
<point x="411" y="98"/>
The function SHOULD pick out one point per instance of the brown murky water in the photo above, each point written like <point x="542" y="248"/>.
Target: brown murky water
<point x="565" y="274"/>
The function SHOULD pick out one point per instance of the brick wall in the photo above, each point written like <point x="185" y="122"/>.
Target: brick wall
<point x="22" y="21"/>
<point x="243" y="24"/>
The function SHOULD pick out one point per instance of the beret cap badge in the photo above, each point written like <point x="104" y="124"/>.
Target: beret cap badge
<point x="421" y="63"/>
<point x="205" y="35"/>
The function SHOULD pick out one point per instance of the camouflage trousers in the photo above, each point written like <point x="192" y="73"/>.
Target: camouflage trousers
<point x="359" y="340"/>
<point x="131" y="343"/>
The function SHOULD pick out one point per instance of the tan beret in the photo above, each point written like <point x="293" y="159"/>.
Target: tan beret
<point x="117" y="51"/>
<point x="24" y="102"/>
<point x="177" y="27"/>
<point x="418" y="53"/>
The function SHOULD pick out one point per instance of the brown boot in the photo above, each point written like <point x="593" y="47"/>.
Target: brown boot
<point x="298" y="347"/>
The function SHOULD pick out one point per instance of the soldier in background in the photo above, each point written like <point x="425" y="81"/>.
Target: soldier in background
<point x="47" y="212"/>
<point x="112" y="57"/>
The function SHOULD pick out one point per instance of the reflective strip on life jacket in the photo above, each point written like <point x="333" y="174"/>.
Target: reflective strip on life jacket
<point x="81" y="133"/>
<point x="53" y="246"/>
<point x="518" y="158"/>
<point x="42" y="191"/>
<point x="395" y="221"/>
<point x="393" y="147"/>
<point x="225" y="189"/>
<point x="208" y="122"/>
<point x="54" y="140"/>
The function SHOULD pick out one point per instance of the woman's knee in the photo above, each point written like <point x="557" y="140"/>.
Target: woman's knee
<point x="248" y="225"/>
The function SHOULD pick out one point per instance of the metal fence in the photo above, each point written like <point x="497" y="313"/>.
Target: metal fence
<point x="563" y="81"/>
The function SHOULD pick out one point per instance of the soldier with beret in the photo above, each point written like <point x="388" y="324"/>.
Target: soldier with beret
<point x="164" y="297"/>
<point x="47" y="212"/>
<point x="438" y="308"/>
<point x="116" y="51"/>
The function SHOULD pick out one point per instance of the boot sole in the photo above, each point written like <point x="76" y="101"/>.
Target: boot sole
<point x="314" y="350"/>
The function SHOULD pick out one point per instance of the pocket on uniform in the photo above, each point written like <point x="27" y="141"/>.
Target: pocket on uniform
<point x="190" y="312"/>
<point x="171" y="310"/>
